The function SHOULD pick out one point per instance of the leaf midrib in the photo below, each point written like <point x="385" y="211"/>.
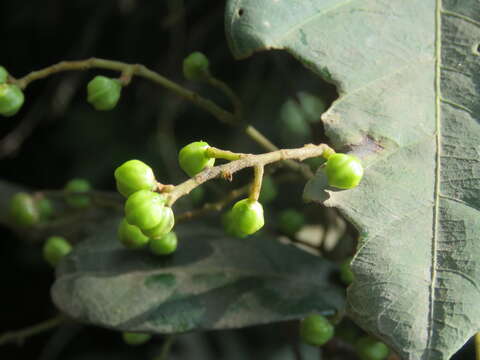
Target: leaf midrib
<point x="433" y="272"/>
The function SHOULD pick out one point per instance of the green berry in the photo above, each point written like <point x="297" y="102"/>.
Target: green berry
<point x="163" y="226"/>
<point x="291" y="221"/>
<point x="164" y="245"/>
<point x="371" y="349"/>
<point x="196" y="67"/>
<point x="346" y="274"/>
<point x="192" y="158"/>
<point x="269" y="190"/>
<point x="146" y="209"/>
<point x="134" y="175"/>
<point x="294" y="128"/>
<point x="23" y="210"/>
<point x="245" y="218"/>
<point x="312" y="106"/>
<point x="55" y="248"/>
<point x="316" y="330"/>
<point x="11" y="99"/>
<point x="135" y="338"/>
<point x="74" y="198"/>
<point x="45" y="207"/>
<point x="3" y="75"/>
<point x="103" y="93"/>
<point x="343" y="171"/>
<point x="131" y="236"/>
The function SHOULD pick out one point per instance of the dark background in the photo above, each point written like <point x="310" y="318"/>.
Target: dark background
<point x="57" y="136"/>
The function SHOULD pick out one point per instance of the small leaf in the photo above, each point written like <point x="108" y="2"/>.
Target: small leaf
<point x="210" y="282"/>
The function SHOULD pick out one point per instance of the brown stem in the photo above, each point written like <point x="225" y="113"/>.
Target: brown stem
<point x="250" y="160"/>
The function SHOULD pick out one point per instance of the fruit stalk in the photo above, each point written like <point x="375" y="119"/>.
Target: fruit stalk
<point x="249" y="160"/>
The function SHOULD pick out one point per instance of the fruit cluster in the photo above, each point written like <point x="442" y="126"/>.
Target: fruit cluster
<point x="246" y="216"/>
<point x="148" y="220"/>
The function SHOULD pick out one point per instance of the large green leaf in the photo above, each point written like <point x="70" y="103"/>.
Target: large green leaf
<point x="408" y="74"/>
<point x="211" y="282"/>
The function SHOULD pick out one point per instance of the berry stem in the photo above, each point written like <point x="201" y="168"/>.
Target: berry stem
<point x="257" y="183"/>
<point x="248" y="160"/>
<point x="227" y="90"/>
<point x="130" y="70"/>
<point x="213" y="152"/>
<point x="19" y="336"/>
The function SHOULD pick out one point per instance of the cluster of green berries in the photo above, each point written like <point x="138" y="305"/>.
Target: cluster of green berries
<point x="148" y="220"/>
<point x="246" y="216"/>
<point x="11" y="96"/>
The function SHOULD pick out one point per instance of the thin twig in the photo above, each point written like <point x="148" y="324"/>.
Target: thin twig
<point x="142" y="71"/>
<point x="232" y="96"/>
<point x="257" y="183"/>
<point x="19" y="336"/>
<point x="167" y="345"/>
<point x="227" y="170"/>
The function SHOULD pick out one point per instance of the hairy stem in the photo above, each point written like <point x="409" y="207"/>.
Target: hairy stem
<point x="20" y="335"/>
<point x="250" y="160"/>
<point x="130" y="70"/>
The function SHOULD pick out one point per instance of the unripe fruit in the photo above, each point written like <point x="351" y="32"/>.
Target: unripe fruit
<point x="3" y="75"/>
<point x="269" y="190"/>
<point x="346" y="274"/>
<point x="291" y="221"/>
<point x="45" y="208"/>
<point x="196" y="67"/>
<point x="134" y="175"/>
<point x="145" y="209"/>
<point x="316" y="330"/>
<point x="131" y="236"/>
<point x="74" y="198"/>
<point x="192" y="158"/>
<point x="135" y="338"/>
<point x="23" y="210"/>
<point x="55" y="248"/>
<point x="245" y="218"/>
<point x="371" y="349"/>
<point x="163" y="226"/>
<point x="103" y="92"/>
<point x="343" y="171"/>
<point x="11" y="99"/>
<point x="164" y="245"/>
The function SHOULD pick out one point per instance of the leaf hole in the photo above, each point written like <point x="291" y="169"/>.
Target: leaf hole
<point x="241" y="12"/>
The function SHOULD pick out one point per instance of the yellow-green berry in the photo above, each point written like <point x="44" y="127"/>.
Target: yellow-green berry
<point x="74" y="189"/>
<point x="131" y="236"/>
<point x="55" y="248"/>
<point x="134" y="175"/>
<point x="291" y="221"/>
<point x="245" y="218"/>
<point x="371" y="349"/>
<point x="346" y="274"/>
<point x="135" y="339"/>
<point x="343" y="171"/>
<point x="103" y="93"/>
<point x="3" y="75"/>
<point x="316" y="330"/>
<point x="23" y="211"/>
<point x="164" y="245"/>
<point x="45" y="207"/>
<point x="11" y="99"/>
<point x="193" y="159"/>
<point x="196" y="67"/>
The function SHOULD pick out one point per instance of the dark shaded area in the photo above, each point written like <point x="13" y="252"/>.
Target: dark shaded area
<point x="57" y="136"/>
